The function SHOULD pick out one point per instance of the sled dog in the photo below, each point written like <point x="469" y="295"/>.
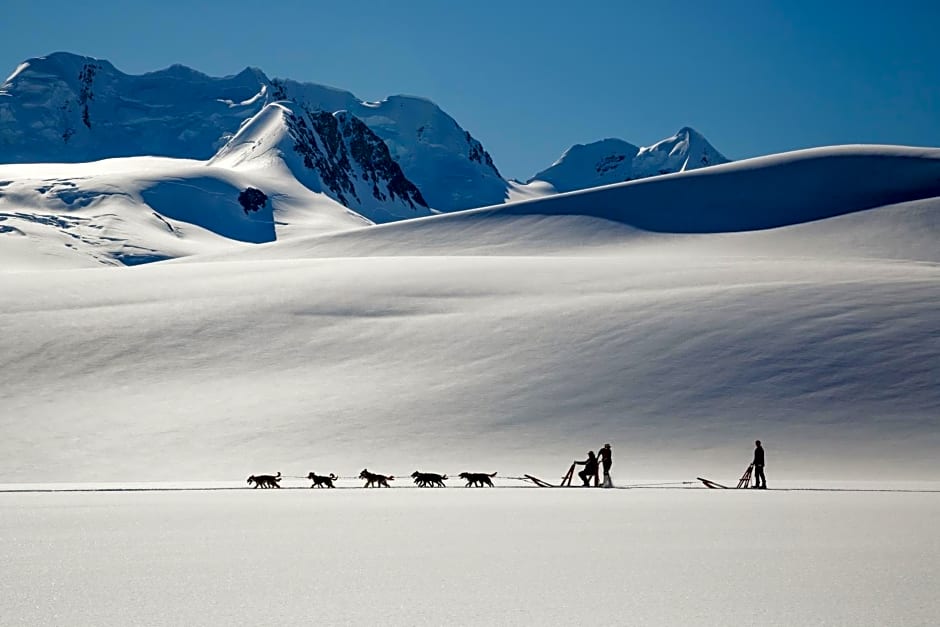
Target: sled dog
<point x="374" y="480"/>
<point x="478" y="479"/>
<point x="429" y="479"/>
<point x="321" y="481"/>
<point x="265" y="481"/>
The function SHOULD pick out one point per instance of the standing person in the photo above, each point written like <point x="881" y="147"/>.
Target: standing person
<point x="760" y="481"/>
<point x="590" y="469"/>
<point x="606" y="462"/>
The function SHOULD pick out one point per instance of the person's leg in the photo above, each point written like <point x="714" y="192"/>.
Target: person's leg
<point x="584" y="477"/>
<point x="759" y="478"/>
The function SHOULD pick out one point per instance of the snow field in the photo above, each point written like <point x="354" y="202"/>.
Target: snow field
<point x="470" y="557"/>
<point x="513" y="364"/>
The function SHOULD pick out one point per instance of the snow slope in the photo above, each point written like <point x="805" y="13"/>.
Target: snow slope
<point x="143" y="209"/>
<point x="614" y="161"/>
<point x="648" y="314"/>
<point x="791" y="202"/>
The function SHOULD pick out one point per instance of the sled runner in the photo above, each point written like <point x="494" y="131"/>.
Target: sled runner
<point x="539" y="482"/>
<point x="565" y="481"/>
<point x="743" y="482"/>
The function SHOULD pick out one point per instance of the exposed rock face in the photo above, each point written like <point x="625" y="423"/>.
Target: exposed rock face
<point x="353" y="164"/>
<point x="252" y="199"/>
<point x="85" y="93"/>
<point x="376" y="163"/>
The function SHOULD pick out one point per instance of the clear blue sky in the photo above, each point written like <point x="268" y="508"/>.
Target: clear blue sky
<point x="531" y="77"/>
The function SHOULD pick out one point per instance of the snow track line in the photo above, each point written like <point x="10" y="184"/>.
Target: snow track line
<point x="408" y="487"/>
<point x="221" y="489"/>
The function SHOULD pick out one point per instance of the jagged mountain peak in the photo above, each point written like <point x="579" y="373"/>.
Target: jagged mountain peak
<point x="688" y="131"/>
<point x="686" y="134"/>
<point x="614" y="160"/>
<point x="257" y="142"/>
<point x="332" y="153"/>
<point x="686" y="150"/>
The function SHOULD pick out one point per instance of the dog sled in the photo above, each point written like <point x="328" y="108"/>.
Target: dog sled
<point x="743" y="482"/>
<point x="538" y="482"/>
<point x="566" y="480"/>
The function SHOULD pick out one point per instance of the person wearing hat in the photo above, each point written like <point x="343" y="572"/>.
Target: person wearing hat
<point x="590" y="469"/>
<point x="606" y="461"/>
<point x="760" y="481"/>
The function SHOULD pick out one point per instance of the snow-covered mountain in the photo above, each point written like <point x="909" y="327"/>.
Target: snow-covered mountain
<point x="287" y="171"/>
<point x="70" y="108"/>
<point x="615" y="161"/>
<point x="332" y="153"/>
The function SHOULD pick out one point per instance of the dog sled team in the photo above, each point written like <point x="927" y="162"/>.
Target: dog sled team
<point x="375" y="480"/>
<point x="593" y="465"/>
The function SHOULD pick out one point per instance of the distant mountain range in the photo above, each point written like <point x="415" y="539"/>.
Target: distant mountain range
<point x="399" y="158"/>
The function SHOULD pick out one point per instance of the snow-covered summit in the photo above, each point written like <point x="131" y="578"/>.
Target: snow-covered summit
<point x="686" y="150"/>
<point x="451" y="168"/>
<point x="614" y="161"/>
<point x="332" y="153"/>
<point x="71" y="108"/>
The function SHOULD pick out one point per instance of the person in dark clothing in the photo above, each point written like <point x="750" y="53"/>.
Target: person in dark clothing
<point x="760" y="481"/>
<point x="590" y="469"/>
<point x="606" y="462"/>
